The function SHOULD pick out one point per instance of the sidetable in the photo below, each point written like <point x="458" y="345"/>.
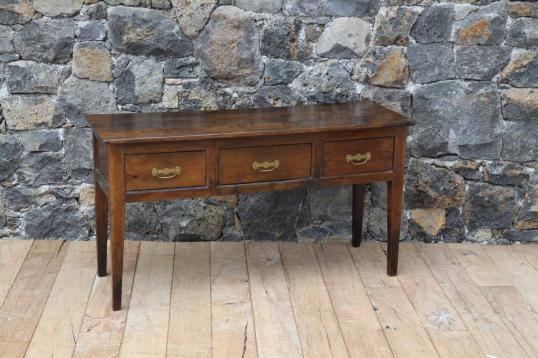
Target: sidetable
<point x="173" y="155"/>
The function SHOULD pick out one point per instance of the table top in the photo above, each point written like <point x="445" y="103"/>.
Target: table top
<point x="237" y="123"/>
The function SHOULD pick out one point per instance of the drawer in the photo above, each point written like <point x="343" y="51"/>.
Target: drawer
<point x="357" y="156"/>
<point x="165" y="170"/>
<point x="259" y="164"/>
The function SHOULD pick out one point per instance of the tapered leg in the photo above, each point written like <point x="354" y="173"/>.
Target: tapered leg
<point x="394" y="205"/>
<point x="116" y="207"/>
<point x="101" y="223"/>
<point x="394" y="214"/>
<point x="357" y="214"/>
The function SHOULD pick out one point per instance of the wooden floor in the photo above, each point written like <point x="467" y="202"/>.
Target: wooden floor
<point x="269" y="300"/>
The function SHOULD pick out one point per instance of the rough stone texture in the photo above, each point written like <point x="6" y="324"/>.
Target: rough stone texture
<point x="95" y="11"/>
<point x="431" y="62"/>
<point x="192" y="220"/>
<point x="23" y="112"/>
<point x="523" y="32"/>
<point x="344" y="37"/>
<point x="57" y="220"/>
<point x="15" y="12"/>
<point x="520" y="142"/>
<point x="522" y="71"/>
<point x="281" y="72"/>
<point x="433" y="187"/>
<point x="526" y="236"/>
<point x="42" y="168"/>
<point x="527" y="217"/>
<point x="230" y="27"/>
<point x="91" y="31"/>
<point x="93" y="61"/>
<point x="451" y="115"/>
<point x="279" y="38"/>
<point x="269" y="6"/>
<point x="78" y="148"/>
<point x="465" y="70"/>
<point x="146" y="32"/>
<point x="192" y="15"/>
<point x="277" y="96"/>
<point x="359" y="8"/>
<point x="434" y="24"/>
<point x="436" y="225"/>
<point x="53" y="8"/>
<point x="490" y="206"/>
<point x="481" y="62"/>
<point x="326" y="82"/>
<point x="485" y="25"/>
<point x="388" y="68"/>
<point x="506" y="173"/>
<point x="11" y="150"/>
<point x="182" y="68"/>
<point x="520" y="104"/>
<point x="33" y="77"/>
<point x="46" y="40"/>
<point x="522" y="8"/>
<point x="303" y="7"/>
<point x="80" y="97"/>
<point x="3" y="218"/>
<point x="271" y="215"/>
<point x="141" y="82"/>
<point x="397" y="100"/>
<point x="41" y="141"/>
<point x="394" y="26"/>
<point x="6" y="39"/>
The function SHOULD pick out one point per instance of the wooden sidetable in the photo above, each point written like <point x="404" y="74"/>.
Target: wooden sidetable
<point x="158" y="156"/>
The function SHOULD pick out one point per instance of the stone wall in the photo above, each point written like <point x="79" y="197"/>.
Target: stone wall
<point x="465" y="70"/>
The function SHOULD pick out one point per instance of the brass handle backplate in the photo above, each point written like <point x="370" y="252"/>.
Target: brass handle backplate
<point x="358" y="159"/>
<point x="266" y="166"/>
<point x="166" y="173"/>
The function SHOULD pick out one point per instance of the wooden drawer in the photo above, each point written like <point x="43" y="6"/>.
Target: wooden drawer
<point x="165" y="170"/>
<point x="260" y="164"/>
<point x="357" y="156"/>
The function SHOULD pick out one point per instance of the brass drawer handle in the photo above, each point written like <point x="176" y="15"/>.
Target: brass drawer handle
<point x="266" y="166"/>
<point x="166" y="173"/>
<point x="358" y="159"/>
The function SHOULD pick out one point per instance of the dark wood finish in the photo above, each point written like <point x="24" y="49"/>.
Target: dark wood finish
<point x="236" y="165"/>
<point x="357" y="214"/>
<point x="216" y="151"/>
<point x="255" y="122"/>
<point x="101" y="214"/>
<point x="394" y="205"/>
<point x="116" y="206"/>
<point x="139" y="168"/>
<point x="335" y="153"/>
<point x="101" y="229"/>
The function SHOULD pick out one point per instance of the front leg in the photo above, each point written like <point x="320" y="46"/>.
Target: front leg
<point x="116" y="206"/>
<point x="357" y="214"/>
<point x="101" y="228"/>
<point x="394" y="205"/>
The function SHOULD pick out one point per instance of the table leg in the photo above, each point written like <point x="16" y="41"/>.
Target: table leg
<point x="357" y="214"/>
<point x="101" y="224"/>
<point x="394" y="205"/>
<point x="116" y="207"/>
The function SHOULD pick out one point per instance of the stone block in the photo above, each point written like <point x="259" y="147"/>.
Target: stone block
<point x="490" y="206"/>
<point x="228" y="47"/>
<point x="46" y="40"/>
<point x="344" y="37"/>
<point x="141" y="31"/>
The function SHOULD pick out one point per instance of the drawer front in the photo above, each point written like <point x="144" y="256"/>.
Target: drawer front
<point x="357" y="156"/>
<point x="165" y="170"/>
<point x="260" y="164"/>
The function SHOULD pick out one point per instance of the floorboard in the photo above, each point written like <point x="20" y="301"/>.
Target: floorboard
<point x="268" y="299"/>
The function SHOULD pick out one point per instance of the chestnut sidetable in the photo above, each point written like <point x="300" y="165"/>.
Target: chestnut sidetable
<point x="158" y="156"/>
